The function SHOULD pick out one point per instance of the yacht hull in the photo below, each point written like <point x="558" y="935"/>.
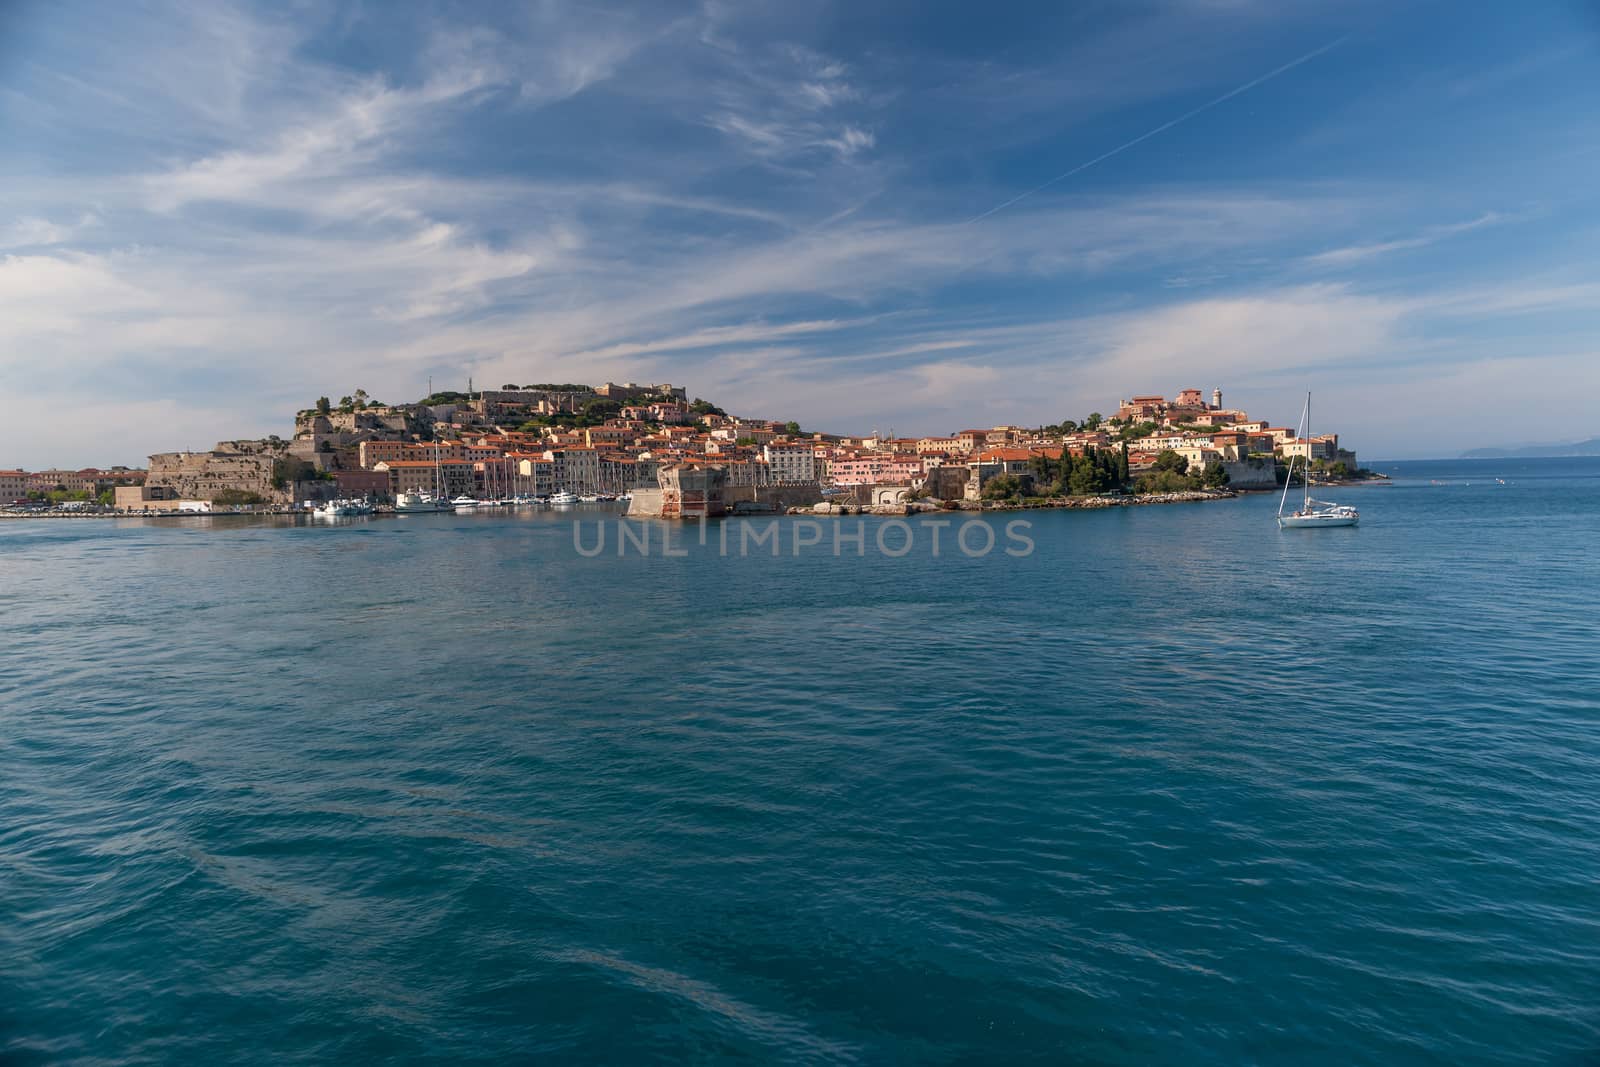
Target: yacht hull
<point x="1311" y="522"/>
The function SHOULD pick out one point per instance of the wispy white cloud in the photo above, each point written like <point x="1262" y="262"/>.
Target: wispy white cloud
<point x="31" y="231"/>
<point x="1353" y="254"/>
<point x="712" y="337"/>
<point x="790" y="103"/>
<point x="337" y="141"/>
<point x="851" y="139"/>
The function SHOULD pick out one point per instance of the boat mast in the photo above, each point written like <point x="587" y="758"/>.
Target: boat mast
<point x="1305" y="477"/>
<point x="1305" y="420"/>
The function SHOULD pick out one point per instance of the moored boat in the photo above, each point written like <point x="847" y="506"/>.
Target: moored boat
<point x="408" y="503"/>
<point x="1312" y="514"/>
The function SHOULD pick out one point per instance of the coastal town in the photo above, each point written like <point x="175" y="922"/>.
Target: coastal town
<point x="675" y="456"/>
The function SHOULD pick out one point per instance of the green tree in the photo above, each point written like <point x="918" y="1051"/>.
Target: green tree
<point x="792" y="428"/>
<point x="1132" y="431"/>
<point x="1087" y="477"/>
<point x="1002" y="487"/>
<point x="1093" y="421"/>
<point x="1169" y="460"/>
<point x="1159" y="481"/>
<point x="1215" y="477"/>
<point x="323" y="406"/>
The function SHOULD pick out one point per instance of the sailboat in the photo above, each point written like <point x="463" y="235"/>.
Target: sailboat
<point x="1312" y="513"/>
<point x="418" y="500"/>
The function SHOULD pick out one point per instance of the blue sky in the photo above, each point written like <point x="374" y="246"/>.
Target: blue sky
<point x="851" y="214"/>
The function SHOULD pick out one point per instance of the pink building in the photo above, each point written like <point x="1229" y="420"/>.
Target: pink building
<point x="876" y="469"/>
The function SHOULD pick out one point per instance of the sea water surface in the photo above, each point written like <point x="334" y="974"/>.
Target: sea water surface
<point x="1177" y="787"/>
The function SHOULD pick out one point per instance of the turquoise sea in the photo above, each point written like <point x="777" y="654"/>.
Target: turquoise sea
<point x="1177" y="787"/>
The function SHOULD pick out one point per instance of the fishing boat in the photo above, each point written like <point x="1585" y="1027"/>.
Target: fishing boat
<point x="1312" y="514"/>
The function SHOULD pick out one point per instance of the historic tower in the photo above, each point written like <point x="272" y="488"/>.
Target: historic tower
<point x="1216" y="398"/>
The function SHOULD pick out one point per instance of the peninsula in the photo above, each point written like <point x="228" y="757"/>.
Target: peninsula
<point x="609" y="440"/>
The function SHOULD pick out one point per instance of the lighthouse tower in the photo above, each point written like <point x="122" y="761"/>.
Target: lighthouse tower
<point x="1216" y="399"/>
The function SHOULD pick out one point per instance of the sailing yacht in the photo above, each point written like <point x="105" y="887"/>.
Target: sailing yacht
<point x="1312" y="513"/>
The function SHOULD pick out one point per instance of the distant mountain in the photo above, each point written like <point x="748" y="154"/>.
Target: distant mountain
<point x="1591" y="447"/>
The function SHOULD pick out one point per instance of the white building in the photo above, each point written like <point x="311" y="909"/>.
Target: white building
<point x="577" y="469"/>
<point x="791" y="461"/>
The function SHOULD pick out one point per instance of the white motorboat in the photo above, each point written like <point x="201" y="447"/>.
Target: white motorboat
<point x="336" y="509"/>
<point x="563" y="497"/>
<point x="409" y="503"/>
<point x="464" y="503"/>
<point x="1312" y="514"/>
